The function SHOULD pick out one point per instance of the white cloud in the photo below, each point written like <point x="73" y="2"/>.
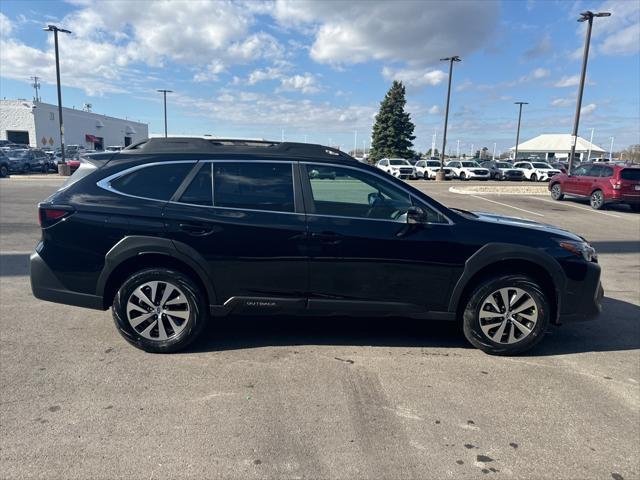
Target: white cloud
<point x="588" y="109"/>
<point x="353" y="32"/>
<point x="568" y="81"/>
<point x="562" y="102"/>
<point x="539" y="73"/>
<point x="623" y="42"/>
<point x="210" y="74"/>
<point x="306" y="83"/>
<point x="5" y="25"/>
<point x="434" y="110"/>
<point x="415" y="78"/>
<point x="618" y="34"/>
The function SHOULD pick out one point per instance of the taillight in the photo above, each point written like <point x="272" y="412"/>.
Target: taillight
<point x="615" y="184"/>
<point x="48" y="216"/>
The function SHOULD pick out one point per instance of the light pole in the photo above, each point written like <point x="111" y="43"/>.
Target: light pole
<point x="611" y="150"/>
<point x="494" y="151"/>
<point x="515" y="157"/>
<point x="164" y="95"/>
<point x="440" y="173"/>
<point x="590" y="143"/>
<point x="584" y="17"/>
<point x="55" y="30"/>
<point x="458" y="149"/>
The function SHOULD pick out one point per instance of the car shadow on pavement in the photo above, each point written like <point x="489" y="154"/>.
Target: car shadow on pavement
<point x="615" y="246"/>
<point x="617" y="328"/>
<point x="239" y="332"/>
<point x="14" y="264"/>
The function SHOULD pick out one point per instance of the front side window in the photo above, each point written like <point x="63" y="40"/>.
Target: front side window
<point x="345" y="192"/>
<point x="157" y="182"/>
<point x="470" y="164"/>
<point x="607" y="172"/>
<point x="253" y="186"/>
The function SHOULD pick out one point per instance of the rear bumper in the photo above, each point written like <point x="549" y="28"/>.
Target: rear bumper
<point x="618" y="196"/>
<point x="46" y="286"/>
<point x="582" y="299"/>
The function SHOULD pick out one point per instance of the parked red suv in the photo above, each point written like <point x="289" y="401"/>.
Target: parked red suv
<point x="602" y="183"/>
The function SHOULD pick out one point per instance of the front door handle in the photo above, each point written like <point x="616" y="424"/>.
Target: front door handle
<point x="327" y="238"/>
<point x="195" y="229"/>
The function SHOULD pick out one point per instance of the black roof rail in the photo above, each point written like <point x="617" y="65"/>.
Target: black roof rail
<point x="225" y="145"/>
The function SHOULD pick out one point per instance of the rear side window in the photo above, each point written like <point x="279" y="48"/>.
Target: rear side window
<point x="199" y="191"/>
<point x="253" y="186"/>
<point x="630" y="174"/>
<point x="158" y="182"/>
<point x="607" y="172"/>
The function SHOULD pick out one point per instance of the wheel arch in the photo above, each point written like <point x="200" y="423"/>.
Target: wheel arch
<point x="135" y="253"/>
<point x="495" y="259"/>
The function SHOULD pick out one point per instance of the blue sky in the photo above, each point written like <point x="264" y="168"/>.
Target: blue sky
<point x="317" y="70"/>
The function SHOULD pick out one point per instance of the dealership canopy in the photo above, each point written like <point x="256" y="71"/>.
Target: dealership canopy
<point x="557" y="142"/>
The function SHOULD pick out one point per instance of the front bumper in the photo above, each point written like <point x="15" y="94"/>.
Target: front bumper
<point x="582" y="299"/>
<point x="46" y="286"/>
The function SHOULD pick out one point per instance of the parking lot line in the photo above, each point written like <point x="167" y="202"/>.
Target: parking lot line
<point x="510" y="206"/>
<point x="578" y="206"/>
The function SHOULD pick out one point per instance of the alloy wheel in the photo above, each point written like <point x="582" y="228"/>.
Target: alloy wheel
<point x="508" y="315"/>
<point x="596" y="200"/>
<point x="158" y="310"/>
<point x="556" y="192"/>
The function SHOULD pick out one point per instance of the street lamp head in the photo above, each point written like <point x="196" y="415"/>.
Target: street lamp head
<point x="165" y="91"/>
<point x="53" y="28"/>
<point x="521" y="103"/>
<point x="603" y="14"/>
<point x="455" y="58"/>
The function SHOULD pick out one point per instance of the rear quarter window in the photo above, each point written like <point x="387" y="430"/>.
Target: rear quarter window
<point x="157" y="182"/>
<point x="630" y="174"/>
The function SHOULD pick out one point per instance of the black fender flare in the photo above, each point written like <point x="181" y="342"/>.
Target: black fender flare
<point x="135" y="245"/>
<point x="492" y="253"/>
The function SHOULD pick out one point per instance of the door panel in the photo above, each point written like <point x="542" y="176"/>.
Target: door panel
<point x="369" y="255"/>
<point x="250" y="252"/>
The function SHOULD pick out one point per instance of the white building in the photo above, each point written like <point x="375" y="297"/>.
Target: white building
<point x="556" y="146"/>
<point x="37" y="124"/>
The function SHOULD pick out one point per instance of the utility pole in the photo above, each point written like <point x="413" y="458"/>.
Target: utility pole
<point x="473" y="153"/>
<point x="611" y="150"/>
<point x="164" y="95"/>
<point x="55" y="30"/>
<point x="584" y="17"/>
<point x="515" y="157"/>
<point x="494" y="151"/>
<point x="355" y="143"/>
<point x="458" y="149"/>
<point x="36" y="86"/>
<point x="440" y="173"/>
<point x="433" y="143"/>
<point x="590" y="143"/>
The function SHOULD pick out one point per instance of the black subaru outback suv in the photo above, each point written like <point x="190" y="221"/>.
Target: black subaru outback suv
<point x="171" y="232"/>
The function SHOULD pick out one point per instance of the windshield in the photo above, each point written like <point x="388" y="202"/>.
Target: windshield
<point x="398" y="162"/>
<point x="18" y="153"/>
<point x="541" y="165"/>
<point x="470" y="164"/>
<point x="503" y="165"/>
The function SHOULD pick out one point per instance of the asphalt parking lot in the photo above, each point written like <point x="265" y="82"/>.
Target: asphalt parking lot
<point x="321" y="398"/>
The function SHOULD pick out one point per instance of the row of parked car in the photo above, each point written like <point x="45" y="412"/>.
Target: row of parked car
<point x="16" y="158"/>
<point x="533" y="171"/>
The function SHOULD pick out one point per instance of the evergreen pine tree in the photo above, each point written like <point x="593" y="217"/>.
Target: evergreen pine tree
<point x="393" y="130"/>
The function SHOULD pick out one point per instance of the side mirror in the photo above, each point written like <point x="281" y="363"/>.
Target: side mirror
<point x="415" y="215"/>
<point x="374" y="197"/>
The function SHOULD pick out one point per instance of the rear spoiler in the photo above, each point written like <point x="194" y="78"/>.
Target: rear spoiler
<point x="98" y="160"/>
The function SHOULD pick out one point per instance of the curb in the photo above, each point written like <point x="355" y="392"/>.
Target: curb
<point x="37" y="177"/>
<point x="508" y="190"/>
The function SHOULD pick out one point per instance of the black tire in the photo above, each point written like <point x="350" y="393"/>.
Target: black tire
<point x="26" y="168"/>
<point x="556" y="192"/>
<point x="194" y="324"/>
<point x="4" y="171"/>
<point x="635" y="207"/>
<point x="425" y="175"/>
<point x="534" y="177"/>
<point x="463" y="176"/>
<point x="596" y="200"/>
<point x="471" y="316"/>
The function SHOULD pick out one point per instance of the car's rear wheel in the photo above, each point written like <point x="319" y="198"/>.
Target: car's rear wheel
<point x="635" y="207"/>
<point x="25" y="168"/>
<point x="159" y="310"/>
<point x="4" y="171"/>
<point x="534" y="177"/>
<point x="506" y="315"/>
<point x="597" y="200"/>
<point x="556" y="192"/>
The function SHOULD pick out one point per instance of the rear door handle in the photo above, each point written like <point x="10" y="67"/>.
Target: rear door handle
<point x="195" y="229"/>
<point x="327" y="238"/>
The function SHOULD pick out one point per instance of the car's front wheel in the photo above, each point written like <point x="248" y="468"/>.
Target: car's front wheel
<point x="463" y="176"/>
<point x="4" y="171"/>
<point x="533" y="177"/>
<point x="506" y="315"/>
<point x="556" y="192"/>
<point x="159" y="310"/>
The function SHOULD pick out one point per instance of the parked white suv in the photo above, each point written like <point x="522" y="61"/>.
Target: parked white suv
<point x="398" y="167"/>
<point x="536" y="171"/>
<point x="467" y="170"/>
<point x="427" y="169"/>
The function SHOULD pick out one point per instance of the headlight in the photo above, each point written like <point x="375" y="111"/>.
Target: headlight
<point x="581" y="249"/>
